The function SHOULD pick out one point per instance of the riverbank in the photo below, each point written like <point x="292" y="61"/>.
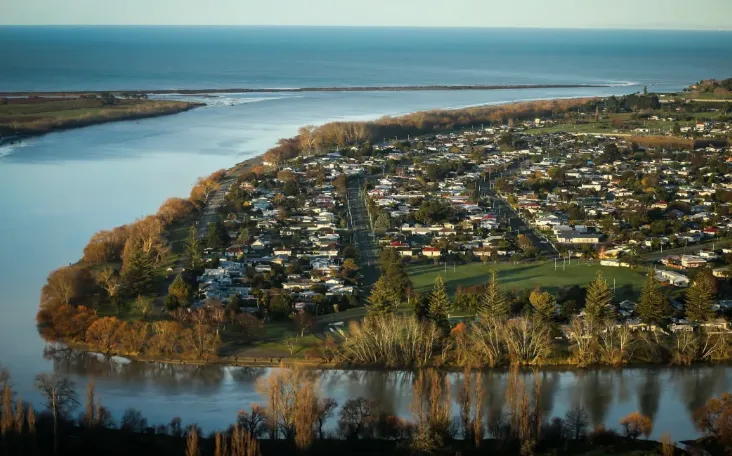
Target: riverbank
<point x="402" y="88"/>
<point x="21" y="118"/>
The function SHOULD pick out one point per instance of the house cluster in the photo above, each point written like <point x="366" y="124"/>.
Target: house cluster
<point x="285" y="235"/>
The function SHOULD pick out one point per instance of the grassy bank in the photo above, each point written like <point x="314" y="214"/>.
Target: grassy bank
<point x="35" y="115"/>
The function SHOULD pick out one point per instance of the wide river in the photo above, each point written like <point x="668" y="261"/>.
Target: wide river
<point x="57" y="190"/>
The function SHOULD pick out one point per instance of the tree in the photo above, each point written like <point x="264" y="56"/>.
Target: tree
<point x="439" y="304"/>
<point x="576" y="421"/>
<point x="192" y="442"/>
<point x="137" y="271"/>
<point x="356" y="416"/>
<point x="216" y="237"/>
<point x="382" y="222"/>
<point x="192" y="253"/>
<point x="700" y="298"/>
<point x="61" y="399"/>
<point x="133" y="421"/>
<point x="180" y="290"/>
<point x="102" y="334"/>
<point x="143" y="306"/>
<point x="715" y="418"/>
<point x="243" y="237"/>
<point x="493" y="301"/>
<point x="635" y="424"/>
<point x="653" y="309"/>
<point x="598" y="303"/>
<point x="543" y="303"/>
<point x="324" y="410"/>
<point x="382" y="299"/>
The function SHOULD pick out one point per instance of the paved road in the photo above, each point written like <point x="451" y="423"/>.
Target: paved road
<point x="363" y="236"/>
<point x="513" y="219"/>
<point x="691" y="249"/>
<point x="208" y="214"/>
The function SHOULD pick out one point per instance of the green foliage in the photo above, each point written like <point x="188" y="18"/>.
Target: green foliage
<point x="280" y="307"/>
<point x="439" y="303"/>
<point x="700" y="298"/>
<point x="382" y="222"/>
<point x="216" y="237"/>
<point x="598" y="303"/>
<point x="493" y="301"/>
<point x="544" y="304"/>
<point x="192" y="253"/>
<point x="383" y="298"/>
<point x="653" y="308"/>
<point x="137" y="273"/>
<point x="181" y="291"/>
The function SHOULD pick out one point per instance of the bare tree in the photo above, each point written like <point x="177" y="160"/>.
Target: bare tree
<point x="325" y="409"/>
<point x="527" y="339"/>
<point x="61" y="398"/>
<point x="356" y="416"/>
<point x="576" y="420"/>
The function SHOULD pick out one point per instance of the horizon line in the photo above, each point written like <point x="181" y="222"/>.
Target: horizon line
<point x="519" y="27"/>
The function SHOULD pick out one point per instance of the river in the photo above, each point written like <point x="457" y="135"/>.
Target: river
<point x="58" y="189"/>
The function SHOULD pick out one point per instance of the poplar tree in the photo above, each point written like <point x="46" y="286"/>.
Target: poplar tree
<point x="382" y="299"/>
<point x="493" y="301"/>
<point x="700" y="298"/>
<point x="598" y="303"/>
<point x="439" y="303"/>
<point x="653" y="309"/>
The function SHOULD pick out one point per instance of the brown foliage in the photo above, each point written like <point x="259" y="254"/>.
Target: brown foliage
<point x="715" y="418"/>
<point x="102" y="334"/>
<point x="132" y="336"/>
<point x="175" y="209"/>
<point x="105" y="246"/>
<point x="65" y="323"/>
<point x="66" y="285"/>
<point x="634" y="424"/>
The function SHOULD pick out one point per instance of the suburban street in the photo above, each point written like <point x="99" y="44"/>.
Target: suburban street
<point x="208" y="214"/>
<point x="514" y="221"/>
<point x="362" y="233"/>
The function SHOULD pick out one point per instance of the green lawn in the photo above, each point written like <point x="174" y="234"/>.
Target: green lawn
<point x="522" y="276"/>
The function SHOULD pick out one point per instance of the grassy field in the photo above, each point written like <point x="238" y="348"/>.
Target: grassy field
<point x="38" y="115"/>
<point x="522" y="276"/>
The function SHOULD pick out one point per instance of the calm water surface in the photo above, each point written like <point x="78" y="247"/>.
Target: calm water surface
<point x="57" y="190"/>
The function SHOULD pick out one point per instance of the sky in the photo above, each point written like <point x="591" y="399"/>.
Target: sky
<point x="638" y="14"/>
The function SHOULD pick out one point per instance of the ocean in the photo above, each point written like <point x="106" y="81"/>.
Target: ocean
<point x="118" y="58"/>
<point x="58" y="189"/>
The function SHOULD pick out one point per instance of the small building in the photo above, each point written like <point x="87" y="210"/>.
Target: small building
<point x="674" y="278"/>
<point x="431" y="252"/>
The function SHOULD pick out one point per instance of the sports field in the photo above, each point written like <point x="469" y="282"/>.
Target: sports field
<point x="525" y="275"/>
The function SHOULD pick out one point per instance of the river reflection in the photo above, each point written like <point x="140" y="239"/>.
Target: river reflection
<point x="212" y="395"/>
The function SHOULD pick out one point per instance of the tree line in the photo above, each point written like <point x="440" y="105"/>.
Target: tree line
<point x="295" y="418"/>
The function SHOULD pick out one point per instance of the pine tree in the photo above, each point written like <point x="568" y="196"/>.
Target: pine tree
<point x="180" y="290"/>
<point x="383" y="299"/>
<point x="700" y="298"/>
<point x="137" y="272"/>
<point x="653" y="309"/>
<point x="494" y="302"/>
<point x="439" y="303"/>
<point x="598" y="303"/>
<point x="192" y="249"/>
<point x="543" y="303"/>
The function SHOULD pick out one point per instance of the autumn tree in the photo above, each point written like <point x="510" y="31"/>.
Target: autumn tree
<point x="66" y="285"/>
<point x="543" y="303"/>
<point x="493" y="301"/>
<point x="102" y="334"/>
<point x="598" y="303"/>
<point x="715" y="418"/>
<point x="282" y="390"/>
<point x="700" y="298"/>
<point x="382" y="299"/>
<point x="174" y="209"/>
<point x="110" y="280"/>
<point x="635" y="424"/>
<point x="653" y="308"/>
<point x="60" y="395"/>
<point x="105" y="246"/>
